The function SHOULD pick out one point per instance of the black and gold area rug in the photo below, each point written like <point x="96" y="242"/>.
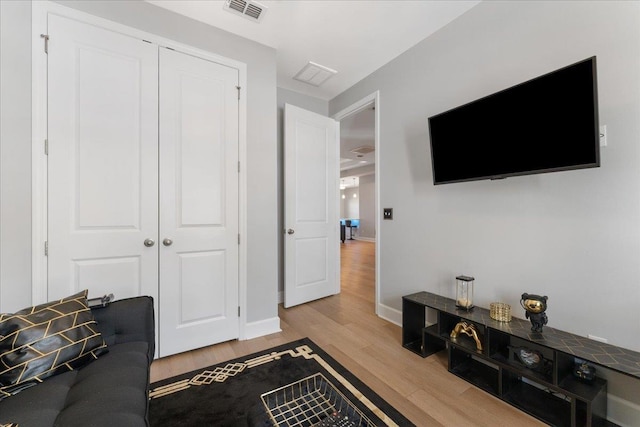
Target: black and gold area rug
<point x="295" y="384"/>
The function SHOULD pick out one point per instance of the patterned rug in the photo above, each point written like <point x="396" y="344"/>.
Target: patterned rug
<point x="295" y="384"/>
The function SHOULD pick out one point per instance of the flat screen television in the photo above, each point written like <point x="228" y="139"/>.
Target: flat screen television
<point x="546" y="124"/>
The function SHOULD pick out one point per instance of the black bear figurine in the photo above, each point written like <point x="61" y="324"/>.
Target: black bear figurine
<point x="535" y="307"/>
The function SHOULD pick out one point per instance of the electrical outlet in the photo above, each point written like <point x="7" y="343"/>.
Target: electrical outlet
<point x="603" y="136"/>
<point x="595" y="338"/>
<point x="387" y="213"/>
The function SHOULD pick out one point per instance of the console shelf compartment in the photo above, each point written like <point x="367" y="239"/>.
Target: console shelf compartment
<point x="542" y="385"/>
<point x="542" y="404"/>
<point x="474" y="369"/>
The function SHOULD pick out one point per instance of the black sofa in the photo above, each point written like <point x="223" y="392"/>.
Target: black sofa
<point x="110" y="391"/>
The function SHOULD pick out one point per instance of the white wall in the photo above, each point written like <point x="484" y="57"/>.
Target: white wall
<point x="367" y="197"/>
<point x="574" y="236"/>
<point x="15" y="155"/>
<point x="261" y="141"/>
<point x="351" y="203"/>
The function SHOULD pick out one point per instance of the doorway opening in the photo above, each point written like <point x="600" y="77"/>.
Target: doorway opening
<point x="359" y="198"/>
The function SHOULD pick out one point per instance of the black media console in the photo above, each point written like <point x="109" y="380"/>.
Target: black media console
<point x="548" y="391"/>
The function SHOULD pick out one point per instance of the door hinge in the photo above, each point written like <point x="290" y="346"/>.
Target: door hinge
<point x="238" y="87"/>
<point x="238" y="238"/>
<point x="238" y="167"/>
<point x="46" y="147"/>
<point x="46" y="42"/>
<point x="46" y="248"/>
<point x="238" y="311"/>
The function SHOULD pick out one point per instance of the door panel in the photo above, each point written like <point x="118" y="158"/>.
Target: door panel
<point x="102" y="163"/>
<point x="311" y="206"/>
<point x="201" y="286"/>
<point x="120" y="275"/>
<point x="198" y="202"/>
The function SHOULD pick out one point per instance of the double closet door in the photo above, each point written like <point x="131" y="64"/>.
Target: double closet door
<point x="143" y="180"/>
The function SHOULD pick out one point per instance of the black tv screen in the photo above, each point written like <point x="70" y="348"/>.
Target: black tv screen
<point x="547" y="124"/>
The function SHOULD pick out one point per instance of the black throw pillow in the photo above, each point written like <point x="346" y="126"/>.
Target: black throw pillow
<point x="41" y="341"/>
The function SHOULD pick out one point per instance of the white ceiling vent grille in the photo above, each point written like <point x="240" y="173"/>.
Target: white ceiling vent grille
<point x="365" y="149"/>
<point x="247" y="8"/>
<point x="314" y="74"/>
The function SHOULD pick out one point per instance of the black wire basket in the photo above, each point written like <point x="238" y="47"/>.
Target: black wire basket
<point x="312" y="401"/>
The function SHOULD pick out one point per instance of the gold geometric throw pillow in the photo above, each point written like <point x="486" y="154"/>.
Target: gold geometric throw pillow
<point x="41" y="341"/>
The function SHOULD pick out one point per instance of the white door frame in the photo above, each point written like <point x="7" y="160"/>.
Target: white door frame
<point x="40" y="11"/>
<point x="366" y="102"/>
<point x="356" y="107"/>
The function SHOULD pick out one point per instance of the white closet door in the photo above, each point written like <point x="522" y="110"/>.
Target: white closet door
<point x="102" y="164"/>
<point x="198" y="203"/>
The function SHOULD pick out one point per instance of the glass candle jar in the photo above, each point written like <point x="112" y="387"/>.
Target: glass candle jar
<point x="464" y="292"/>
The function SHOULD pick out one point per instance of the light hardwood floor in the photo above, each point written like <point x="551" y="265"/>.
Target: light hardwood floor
<point x="346" y="327"/>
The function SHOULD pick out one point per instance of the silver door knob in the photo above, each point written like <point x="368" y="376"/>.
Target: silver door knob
<point x="149" y="242"/>
<point x="290" y="231"/>
<point x="167" y="242"/>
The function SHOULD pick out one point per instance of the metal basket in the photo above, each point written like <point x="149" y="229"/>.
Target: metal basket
<point x="500" y="311"/>
<point x="312" y="401"/>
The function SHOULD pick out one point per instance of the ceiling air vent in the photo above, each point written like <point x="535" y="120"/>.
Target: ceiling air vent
<point x="249" y="9"/>
<point x="314" y="74"/>
<point x="365" y="149"/>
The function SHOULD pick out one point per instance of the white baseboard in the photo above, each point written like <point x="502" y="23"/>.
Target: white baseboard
<point x="365" y="239"/>
<point x="622" y="412"/>
<point x="261" y="328"/>
<point x="390" y="314"/>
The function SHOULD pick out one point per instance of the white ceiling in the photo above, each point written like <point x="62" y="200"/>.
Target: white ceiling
<point x="353" y="37"/>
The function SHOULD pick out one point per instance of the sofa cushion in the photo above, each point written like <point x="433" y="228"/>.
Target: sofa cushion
<point x="41" y="341"/>
<point x="38" y="406"/>
<point x="111" y="392"/>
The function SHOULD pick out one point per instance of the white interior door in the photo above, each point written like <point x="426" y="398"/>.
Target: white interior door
<point x="311" y="206"/>
<point x="102" y="163"/>
<point x="198" y="203"/>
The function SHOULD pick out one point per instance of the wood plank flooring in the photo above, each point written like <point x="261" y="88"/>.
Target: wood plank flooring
<point x="346" y="327"/>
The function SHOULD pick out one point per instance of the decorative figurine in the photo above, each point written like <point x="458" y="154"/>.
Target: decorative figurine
<point x="535" y="307"/>
<point x="467" y="329"/>
<point x="584" y="372"/>
<point x="529" y="358"/>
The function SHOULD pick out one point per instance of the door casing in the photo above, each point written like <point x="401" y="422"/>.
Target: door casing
<point x="356" y="107"/>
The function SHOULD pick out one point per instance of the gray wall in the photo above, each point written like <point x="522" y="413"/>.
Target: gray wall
<point x="367" y="197"/>
<point x="310" y="103"/>
<point x="15" y="155"/>
<point x="261" y="140"/>
<point x="574" y="236"/>
<point x="351" y="203"/>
